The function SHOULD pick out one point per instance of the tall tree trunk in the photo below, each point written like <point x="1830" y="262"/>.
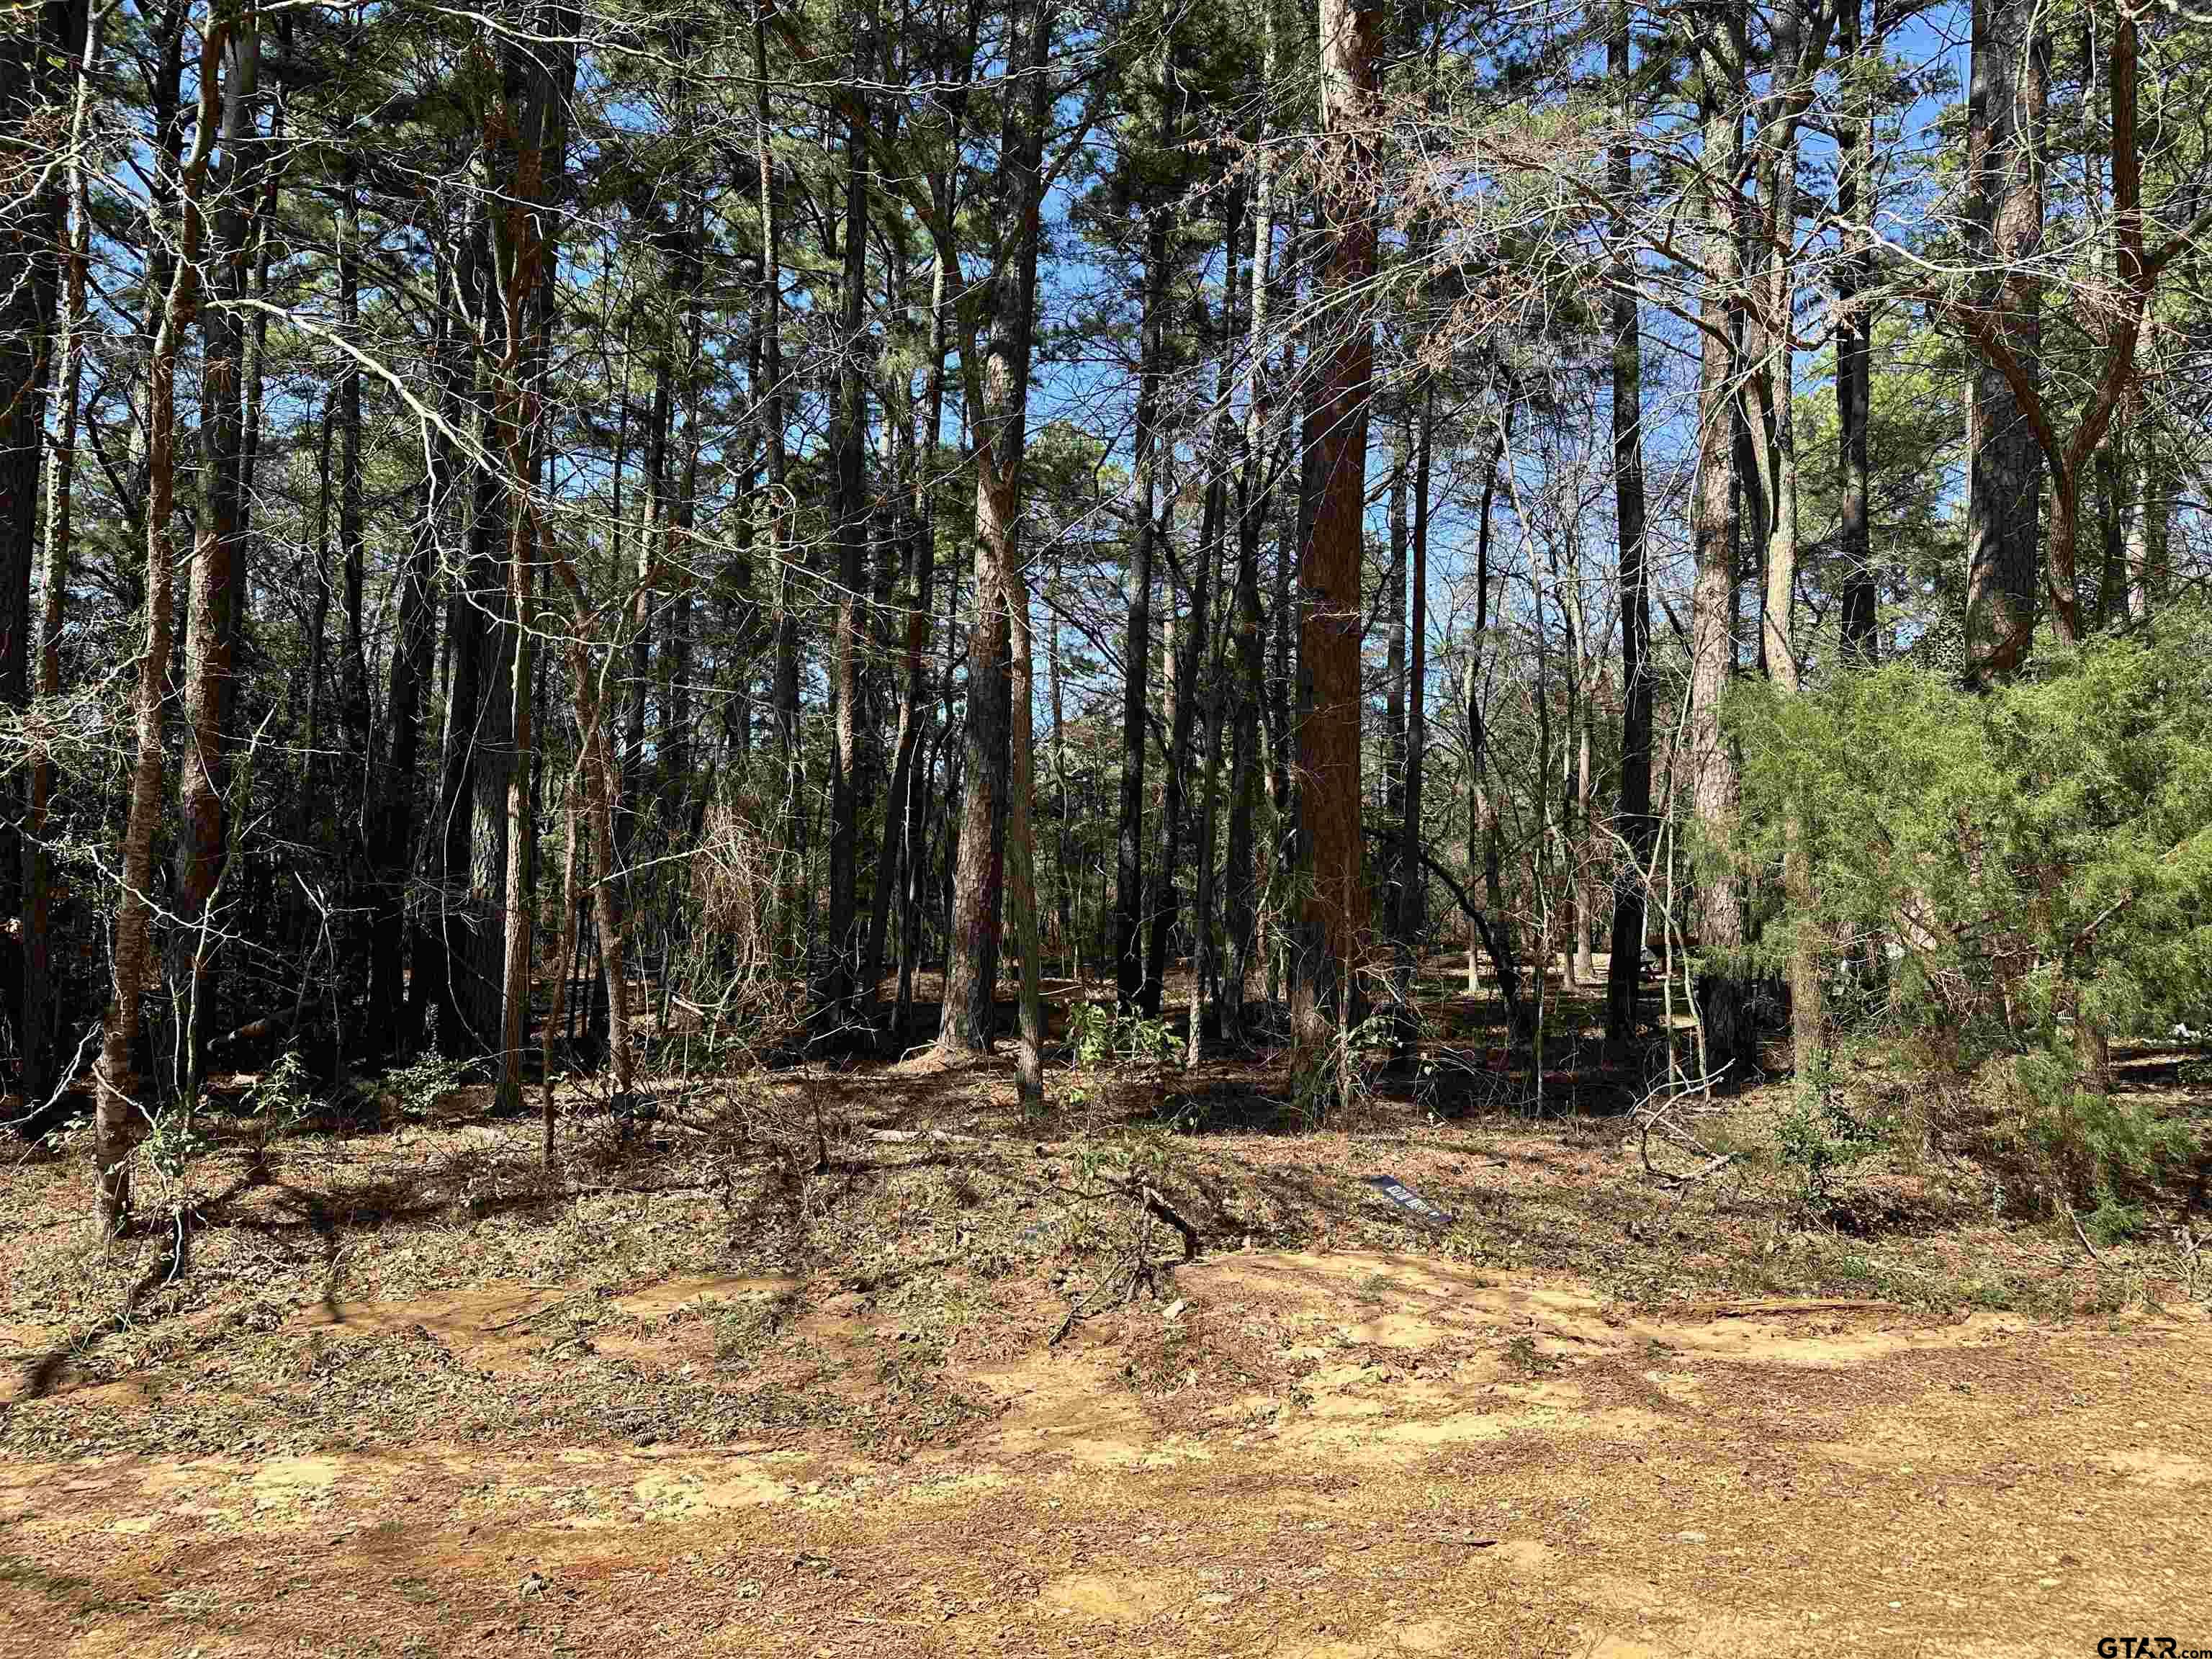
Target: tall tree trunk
<point x="847" y="442"/>
<point x="1625" y="970"/>
<point x="1392" y="618"/>
<point x="1186" y="645"/>
<point x="536" y="94"/>
<point x="392" y="820"/>
<point x="124" y="1105"/>
<point x="971" y="968"/>
<point x="1204" y="960"/>
<point x="515" y="962"/>
<point x="2149" y="517"/>
<point x="602" y="775"/>
<point x="902" y="807"/>
<point x="313" y="770"/>
<point x="37" y="1030"/>
<point x="1333" y="931"/>
<point x="1021" y="851"/>
<point x="1723" y="991"/>
<point x="1294" y="529"/>
<point x="563" y="951"/>
<point x="1484" y="838"/>
<point x="775" y="521"/>
<point x="645" y="584"/>
<point x="997" y="381"/>
<point x="351" y="516"/>
<point x="213" y="618"/>
<point x="1253" y="493"/>
<point x="1577" y="785"/>
<point x="1778" y="186"/>
<point x="1130" y="979"/>
<point x="1208" y="637"/>
<point x="683" y="807"/>
<point x="1067" y="898"/>
<point x="2006" y="94"/>
<point x="1578" y="849"/>
<point x="915" y="870"/>
<point x="1854" y="280"/>
<point x="1412" y="918"/>
<point x="440" y="966"/>
<point x="35" y="55"/>
<point x="479" y="735"/>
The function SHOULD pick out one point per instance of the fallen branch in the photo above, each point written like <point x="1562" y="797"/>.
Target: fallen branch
<point x="1784" y="1305"/>
<point x="534" y="1314"/>
<point x="672" y="1187"/>
<point x="1120" y="1287"/>
<point x="1155" y="1205"/>
<point x="909" y="1137"/>
<point x="1719" y="1162"/>
<point x="2083" y="1237"/>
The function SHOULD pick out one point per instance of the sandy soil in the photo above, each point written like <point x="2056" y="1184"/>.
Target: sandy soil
<point x="1346" y="1453"/>
<point x="868" y="1359"/>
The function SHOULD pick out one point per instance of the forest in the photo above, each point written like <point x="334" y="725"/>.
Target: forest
<point x="1217" y="602"/>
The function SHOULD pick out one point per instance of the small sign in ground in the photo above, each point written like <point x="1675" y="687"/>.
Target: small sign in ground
<point x="1409" y="1201"/>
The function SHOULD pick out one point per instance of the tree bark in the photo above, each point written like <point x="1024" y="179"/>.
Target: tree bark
<point x="562" y="952"/>
<point x="902" y="807"/>
<point x="602" y="781"/>
<point x="121" y="1082"/>
<point x="37" y="1030"/>
<point x="1639" y="828"/>
<point x="213" y="615"/>
<point x="997" y="384"/>
<point x="775" y="521"/>
<point x="683" y="807"/>
<point x="1252" y="494"/>
<point x="645" y="585"/>
<point x="480" y="707"/>
<point x="1204" y="955"/>
<point x="913" y="864"/>
<point x="1021" y="852"/>
<point x="351" y="517"/>
<point x="1333" y="933"/>
<point x="1130" y="979"/>
<point x="2149" y="516"/>
<point x="35" y="55"/>
<point x="1855" y="280"/>
<point x="1722" y="989"/>
<point x="1185" y="644"/>
<point x="2006" y="94"/>
<point x="1412" y="919"/>
<point x="847" y="443"/>
<point x="392" y="817"/>
<point x="1778" y="183"/>
<point x="1392" y="618"/>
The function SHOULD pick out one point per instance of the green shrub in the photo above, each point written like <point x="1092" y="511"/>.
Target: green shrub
<point x="1818" y="1136"/>
<point x="282" y="1097"/>
<point x="419" y="1085"/>
<point x="1097" y="1033"/>
<point x="2021" y="874"/>
<point x="2093" y="1146"/>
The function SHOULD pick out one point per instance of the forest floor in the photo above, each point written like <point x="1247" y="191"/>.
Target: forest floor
<point x="711" y="1385"/>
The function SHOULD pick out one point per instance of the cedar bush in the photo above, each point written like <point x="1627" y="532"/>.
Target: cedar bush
<point x="2008" y="880"/>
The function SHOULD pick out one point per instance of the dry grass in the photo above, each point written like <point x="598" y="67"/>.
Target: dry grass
<point x="898" y="1263"/>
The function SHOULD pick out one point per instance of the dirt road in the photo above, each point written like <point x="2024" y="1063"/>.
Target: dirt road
<point x="1464" y="1464"/>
